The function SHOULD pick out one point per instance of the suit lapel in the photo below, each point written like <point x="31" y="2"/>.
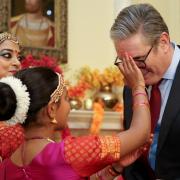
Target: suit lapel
<point x="171" y="109"/>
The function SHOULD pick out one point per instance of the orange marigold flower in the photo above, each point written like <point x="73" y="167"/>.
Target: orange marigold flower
<point x="98" y="113"/>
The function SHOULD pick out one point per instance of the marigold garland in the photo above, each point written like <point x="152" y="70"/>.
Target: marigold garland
<point x="78" y="90"/>
<point x="98" y="113"/>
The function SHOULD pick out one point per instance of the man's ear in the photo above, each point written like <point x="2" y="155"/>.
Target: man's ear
<point x="51" y="110"/>
<point x="164" y="41"/>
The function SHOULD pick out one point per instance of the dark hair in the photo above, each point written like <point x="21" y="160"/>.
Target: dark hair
<point x="7" y="102"/>
<point x="40" y="82"/>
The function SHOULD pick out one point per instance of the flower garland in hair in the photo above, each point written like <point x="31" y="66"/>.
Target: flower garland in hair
<point x="22" y="97"/>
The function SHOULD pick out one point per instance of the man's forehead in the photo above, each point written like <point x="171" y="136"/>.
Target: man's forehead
<point x="131" y="42"/>
<point x="131" y="51"/>
<point x="133" y="48"/>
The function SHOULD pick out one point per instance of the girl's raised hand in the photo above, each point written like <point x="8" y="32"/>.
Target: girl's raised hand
<point x="132" y="74"/>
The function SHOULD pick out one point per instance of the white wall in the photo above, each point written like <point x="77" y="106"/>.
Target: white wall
<point x="89" y="43"/>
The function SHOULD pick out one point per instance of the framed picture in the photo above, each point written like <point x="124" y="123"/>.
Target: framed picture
<point x="44" y="34"/>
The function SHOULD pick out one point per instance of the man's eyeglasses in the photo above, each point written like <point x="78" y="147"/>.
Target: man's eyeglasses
<point x="140" y="63"/>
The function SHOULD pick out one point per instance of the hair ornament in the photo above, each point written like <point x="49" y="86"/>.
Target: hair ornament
<point x="7" y="36"/>
<point x="55" y="96"/>
<point x="22" y="97"/>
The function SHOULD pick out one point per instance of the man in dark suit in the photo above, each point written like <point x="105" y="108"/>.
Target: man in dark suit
<point x="140" y="31"/>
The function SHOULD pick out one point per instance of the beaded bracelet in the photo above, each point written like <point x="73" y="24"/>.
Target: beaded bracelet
<point x="139" y="93"/>
<point x="145" y="101"/>
<point x="140" y="104"/>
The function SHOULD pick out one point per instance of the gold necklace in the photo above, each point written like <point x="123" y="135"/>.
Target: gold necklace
<point x="50" y="140"/>
<point x="39" y="137"/>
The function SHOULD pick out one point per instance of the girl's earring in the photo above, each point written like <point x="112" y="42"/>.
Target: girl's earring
<point x="54" y="121"/>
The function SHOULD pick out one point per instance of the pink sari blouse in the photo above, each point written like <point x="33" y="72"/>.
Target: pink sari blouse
<point x="71" y="159"/>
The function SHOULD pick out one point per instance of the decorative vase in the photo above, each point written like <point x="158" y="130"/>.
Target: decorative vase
<point x="75" y="103"/>
<point x="107" y="97"/>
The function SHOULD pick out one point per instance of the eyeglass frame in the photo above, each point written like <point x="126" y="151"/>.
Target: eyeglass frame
<point x="139" y="61"/>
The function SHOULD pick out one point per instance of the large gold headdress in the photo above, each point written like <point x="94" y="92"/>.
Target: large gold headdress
<point x="7" y="36"/>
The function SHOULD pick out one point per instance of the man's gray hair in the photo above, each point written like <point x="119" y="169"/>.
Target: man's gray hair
<point x="142" y="18"/>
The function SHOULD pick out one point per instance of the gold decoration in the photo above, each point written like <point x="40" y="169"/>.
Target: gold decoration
<point x="55" y="96"/>
<point x="54" y="121"/>
<point x="110" y="145"/>
<point x="7" y="36"/>
<point x="75" y="103"/>
<point x="108" y="98"/>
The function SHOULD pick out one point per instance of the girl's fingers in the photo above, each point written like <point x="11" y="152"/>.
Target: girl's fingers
<point x="124" y="64"/>
<point x="130" y="70"/>
<point x="127" y="61"/>
<point x="133" y="64"/>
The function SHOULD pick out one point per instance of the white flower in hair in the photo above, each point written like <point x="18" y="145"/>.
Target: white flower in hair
<point x="22" y="97"/>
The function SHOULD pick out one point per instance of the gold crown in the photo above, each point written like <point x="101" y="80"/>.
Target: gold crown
<point x="7" y="36"/>
<point x="55" y="96"/>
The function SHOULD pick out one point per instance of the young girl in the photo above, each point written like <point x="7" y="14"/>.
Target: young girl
<point x="37" y="98"/>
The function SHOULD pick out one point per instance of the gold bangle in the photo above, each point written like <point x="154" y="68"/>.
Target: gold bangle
<point x="136" y="88"/>
<point x="141" y="84"/>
